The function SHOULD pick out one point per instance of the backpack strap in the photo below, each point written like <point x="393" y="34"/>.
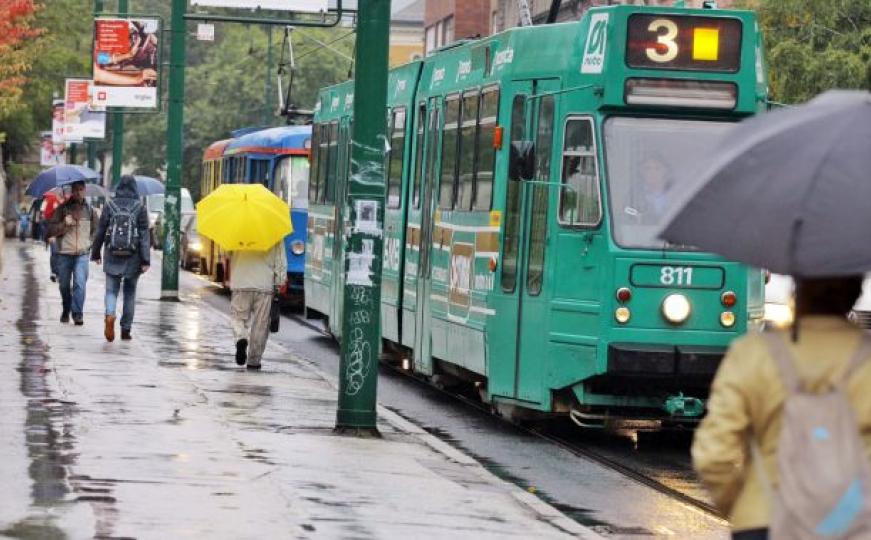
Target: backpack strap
<point x="863" y="351"/>
<point x="783" y="358"/>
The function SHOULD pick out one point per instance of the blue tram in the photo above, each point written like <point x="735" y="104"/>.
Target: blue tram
<point x="278" y="158"/>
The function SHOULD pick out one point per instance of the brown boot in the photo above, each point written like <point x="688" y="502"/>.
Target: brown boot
<point x="109" y="332"/>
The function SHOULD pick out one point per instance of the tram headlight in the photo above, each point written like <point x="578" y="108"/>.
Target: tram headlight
<point x="727" y="319"/>
<point x="297" y="247"/>
<point x="676" y="308"/>
<point x="622" y="314"/>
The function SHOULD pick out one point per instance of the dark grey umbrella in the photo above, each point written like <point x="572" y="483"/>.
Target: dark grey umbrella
<point x="789" y="191"/>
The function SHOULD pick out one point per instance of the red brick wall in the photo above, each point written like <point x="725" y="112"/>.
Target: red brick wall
<point x="471" y="17"/>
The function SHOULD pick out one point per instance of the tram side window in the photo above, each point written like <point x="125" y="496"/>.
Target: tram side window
<point x="485" y="151"/>
<point x="397" y="154"/>
<point x="512" y="204"/>
<point x="315" y="154"/>
<point x="538" y="222"/>
<point x="467" y="151"/>
<point x="449" y="154"/>
<point x="332" y="164"/>
<point x="418" y="156"/>
<point x="323" y="155"/>
<point x="579" y="194"/>
<point x="260" y="172"/>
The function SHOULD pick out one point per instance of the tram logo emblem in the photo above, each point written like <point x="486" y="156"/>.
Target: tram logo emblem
<point x="463" y="68"/>
<point x="594" y="49"/>
<point x="505" y="56"/>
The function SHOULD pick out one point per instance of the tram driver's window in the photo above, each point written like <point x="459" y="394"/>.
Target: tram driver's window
<point x="579" y="194"/>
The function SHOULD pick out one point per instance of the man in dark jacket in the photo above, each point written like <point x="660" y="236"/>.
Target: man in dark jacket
<point x="122" y="267"/>
<point x="72" y="226"/>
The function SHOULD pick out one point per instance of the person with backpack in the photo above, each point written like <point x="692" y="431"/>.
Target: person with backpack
<point x="72" y="226"/>
<point x="785" y="449"/>
<point x="123" y="236"/>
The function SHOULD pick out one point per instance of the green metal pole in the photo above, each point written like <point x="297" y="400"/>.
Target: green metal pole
<point x="118" y="124"/>
<point x="361" y="323"/>
<point x="267" y="92"/>
<point x="92" y="146"/>
<point x="174" y="141"/>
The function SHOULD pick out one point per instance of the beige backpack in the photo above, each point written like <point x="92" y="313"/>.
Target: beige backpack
<point x="824" y="488"/>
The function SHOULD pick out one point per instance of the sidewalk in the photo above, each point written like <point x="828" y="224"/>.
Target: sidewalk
<point x="165" y="437"/>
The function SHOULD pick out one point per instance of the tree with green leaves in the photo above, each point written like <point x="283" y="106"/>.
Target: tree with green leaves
<point x="815" y="45"/>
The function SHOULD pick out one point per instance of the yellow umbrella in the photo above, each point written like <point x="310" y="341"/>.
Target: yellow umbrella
<point x="243" y="217"/>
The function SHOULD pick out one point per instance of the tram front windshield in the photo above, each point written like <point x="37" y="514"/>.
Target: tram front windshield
<point x="647" y="160"/>
<point x="291" y="181"/>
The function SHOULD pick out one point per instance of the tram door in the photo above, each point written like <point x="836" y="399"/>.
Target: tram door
<point x="517" y="361"/>
<point x="429" y="190"/>
<point x="338" y="192"/>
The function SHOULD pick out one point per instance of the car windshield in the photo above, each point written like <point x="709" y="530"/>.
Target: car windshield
<point x="646" y="161"/>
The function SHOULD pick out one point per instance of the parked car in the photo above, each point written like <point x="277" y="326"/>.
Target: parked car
<point x="191" y="246"/>
<point x="155" y="204"/>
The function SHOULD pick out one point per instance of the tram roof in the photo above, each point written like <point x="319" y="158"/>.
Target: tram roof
<point x="279" y="140"/>
<point x="216" y="149"/>
<point x="557" y="50"/>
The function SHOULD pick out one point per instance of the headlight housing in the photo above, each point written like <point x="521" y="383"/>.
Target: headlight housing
<point x="297" y="247"/>
<point x="676" y="308"/>
<point x="196" y="245"/>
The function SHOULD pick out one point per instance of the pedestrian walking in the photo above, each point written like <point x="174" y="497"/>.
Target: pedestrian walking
<point x="49" y="204"/>
<point x="23" y="223"/>
<point x="784" y="449"/>
<point x="123" y="230"/>
<point x="254" y="277"/>
<point x="73" y="225"/>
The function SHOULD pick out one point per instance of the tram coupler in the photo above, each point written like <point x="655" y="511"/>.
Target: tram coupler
<point x="681" y="405"/>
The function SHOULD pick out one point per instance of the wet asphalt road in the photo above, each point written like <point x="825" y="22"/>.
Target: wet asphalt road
<point x="592" y="494"/>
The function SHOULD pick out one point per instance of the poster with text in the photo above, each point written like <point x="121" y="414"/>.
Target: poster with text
<point x="126" y="60"/>
<point x="50" y="154"/>
<point x="57" y="122"/>
<point x="81" y="119"/>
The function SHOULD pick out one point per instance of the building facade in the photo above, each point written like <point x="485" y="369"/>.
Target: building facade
<point x="446" y="21"/>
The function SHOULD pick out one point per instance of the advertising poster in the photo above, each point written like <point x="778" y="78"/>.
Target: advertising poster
<point x="276" y="5"/>
<point x="57" y="122"/>
<point x="81" y="120"/>
<point x="49" y="153"/>
<point x="126" y="62"/>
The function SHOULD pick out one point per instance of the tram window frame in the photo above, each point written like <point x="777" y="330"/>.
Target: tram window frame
<point x="313" y="158"/>
<point x="509" y="271"/>
<point x="447" y="199"/>
<point x="418" y="154"/>
<point x="468" y="135"/>
<point x="394" y="158"/>
<point x="486" y="92"/>
<point x="329" y="192"/>
<point x="566" y="155"/>
<point x="543" y="165"/>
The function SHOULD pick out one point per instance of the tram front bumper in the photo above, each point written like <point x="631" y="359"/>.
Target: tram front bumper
<point x="647" y="360"/>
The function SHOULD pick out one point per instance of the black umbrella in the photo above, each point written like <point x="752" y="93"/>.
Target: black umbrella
<point x="789" y="191"/>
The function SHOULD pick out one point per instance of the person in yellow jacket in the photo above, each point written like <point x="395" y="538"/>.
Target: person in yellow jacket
<point x="748" y="393"/>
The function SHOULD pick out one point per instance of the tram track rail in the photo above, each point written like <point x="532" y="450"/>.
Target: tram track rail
<point x="572" y="447"/>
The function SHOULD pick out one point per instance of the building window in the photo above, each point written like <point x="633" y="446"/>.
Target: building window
<point x="439" y="34"/>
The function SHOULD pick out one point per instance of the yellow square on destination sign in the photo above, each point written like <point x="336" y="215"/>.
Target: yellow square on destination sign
<point x="706" y="44"/>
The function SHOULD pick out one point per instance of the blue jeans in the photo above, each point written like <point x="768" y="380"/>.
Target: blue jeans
<point x="113" y="285"/>
<point x="75" y="268"/>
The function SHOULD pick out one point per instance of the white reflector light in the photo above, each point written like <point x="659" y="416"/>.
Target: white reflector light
<point x="678" y="93"/>
<point x="676" y="308"/>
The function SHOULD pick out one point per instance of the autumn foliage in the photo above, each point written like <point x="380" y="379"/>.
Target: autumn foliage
<point x="16" y="36"/>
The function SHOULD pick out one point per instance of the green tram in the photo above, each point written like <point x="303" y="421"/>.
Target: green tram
<point x="527" y="176"/>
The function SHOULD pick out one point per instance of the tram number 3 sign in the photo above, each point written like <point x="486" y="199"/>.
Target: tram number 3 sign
<point x="676" y="275"/>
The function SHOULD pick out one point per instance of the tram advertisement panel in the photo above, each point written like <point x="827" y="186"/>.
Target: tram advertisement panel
<point x="126" y="62"/>
<point x="81" y="120"/>
<point x="676" y="42"/>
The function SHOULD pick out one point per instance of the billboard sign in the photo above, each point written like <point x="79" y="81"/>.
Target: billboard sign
<point x="315" y="6"/>
<point x="50" y="154"/>
<point x="57" y="122"/>
<point x="126" y="62"/>
<point x="81" y="119"/>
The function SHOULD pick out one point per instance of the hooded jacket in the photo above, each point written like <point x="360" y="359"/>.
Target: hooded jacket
<point x="126" y="196"/>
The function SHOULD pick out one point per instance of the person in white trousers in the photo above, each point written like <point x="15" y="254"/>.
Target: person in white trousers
<point x="254" y="278"/>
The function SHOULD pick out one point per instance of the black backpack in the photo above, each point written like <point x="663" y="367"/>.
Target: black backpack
<point x="122" y="235"/>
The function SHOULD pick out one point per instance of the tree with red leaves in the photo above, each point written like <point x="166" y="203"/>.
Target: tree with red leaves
<point x="16" y="53"/>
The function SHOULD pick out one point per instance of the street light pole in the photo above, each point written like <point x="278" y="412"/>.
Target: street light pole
<point x="361" y="321"/>
<point x="118" y="123"/>
<point x="92" y="145"/>
<point x="174" y="141"/>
